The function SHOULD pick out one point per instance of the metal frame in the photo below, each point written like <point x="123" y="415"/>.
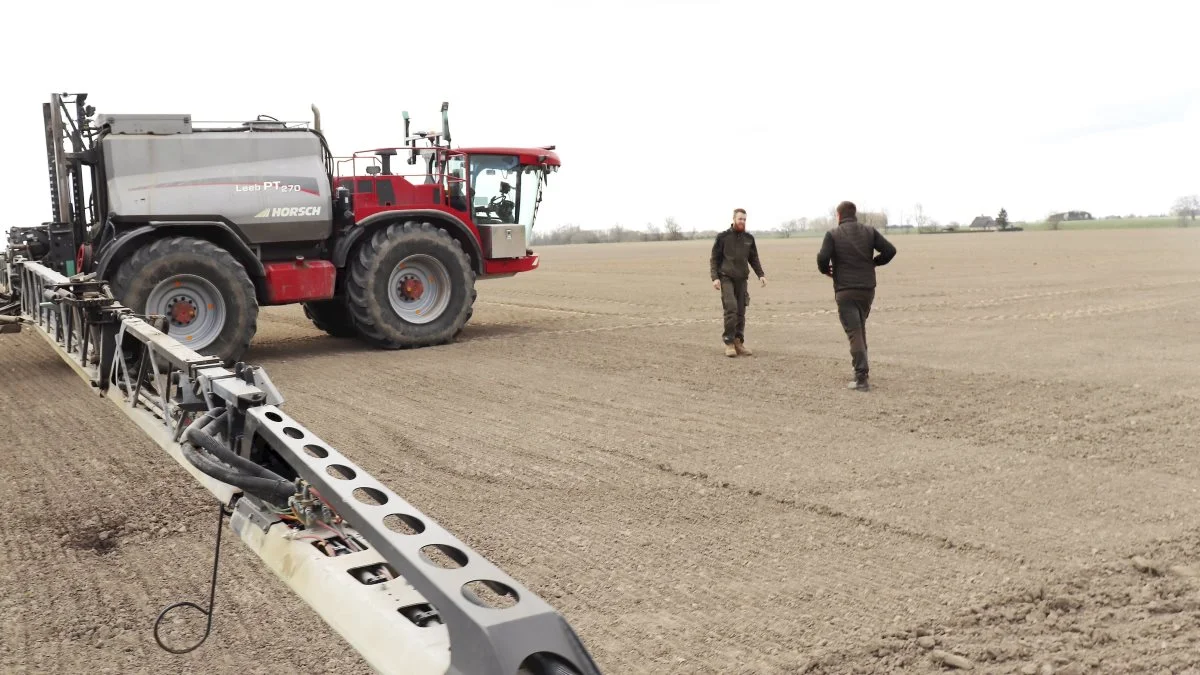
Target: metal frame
<point x="378" y="597"/>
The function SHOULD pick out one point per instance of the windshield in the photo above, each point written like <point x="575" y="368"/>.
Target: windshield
<point x="504" y="191"/>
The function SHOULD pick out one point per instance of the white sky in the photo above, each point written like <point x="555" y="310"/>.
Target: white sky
<point x="684" y="109"/>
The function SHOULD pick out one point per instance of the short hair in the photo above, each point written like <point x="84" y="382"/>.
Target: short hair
<point x="737" y="211"/>
<point x="847" y="210"/>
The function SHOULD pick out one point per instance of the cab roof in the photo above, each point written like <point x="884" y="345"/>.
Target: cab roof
<point x="525" y="155"/>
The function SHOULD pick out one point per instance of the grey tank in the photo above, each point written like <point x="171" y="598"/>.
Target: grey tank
<point x="272" y="186"/>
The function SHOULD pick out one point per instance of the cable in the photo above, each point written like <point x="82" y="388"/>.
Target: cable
<point x="212" y="595"/>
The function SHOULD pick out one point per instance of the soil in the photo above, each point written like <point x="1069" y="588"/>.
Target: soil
<point x="1017" y="493"/>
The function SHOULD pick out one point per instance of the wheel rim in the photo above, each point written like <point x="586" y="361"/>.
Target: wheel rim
<point x="193" y="306"/>
<point x="419" y="289"/>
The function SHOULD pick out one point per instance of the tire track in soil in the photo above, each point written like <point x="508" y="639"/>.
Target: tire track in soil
<point x="504" y="297"/>
<point x="1169" y="454"/>
<point x="572" y="517"/>
<point x="1077" y="420"/>
<point x="512" y="433"/>
<point x="1126" y="615"/>
<point x="441" y="428"/>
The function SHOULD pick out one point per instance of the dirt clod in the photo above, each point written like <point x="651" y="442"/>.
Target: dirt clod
<point x="951" y="660"/>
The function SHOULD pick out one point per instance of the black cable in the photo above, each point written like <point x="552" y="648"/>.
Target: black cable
<point x="212" y="595"/>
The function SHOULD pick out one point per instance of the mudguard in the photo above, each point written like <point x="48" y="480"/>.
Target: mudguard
<point x="215" y="231"/>
<point x="456" y="227"/>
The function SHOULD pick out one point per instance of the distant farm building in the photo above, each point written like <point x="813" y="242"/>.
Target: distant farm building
<point x="983" y="223"/>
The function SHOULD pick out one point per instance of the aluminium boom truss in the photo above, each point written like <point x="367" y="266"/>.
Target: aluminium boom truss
<point x="361" y="556"/>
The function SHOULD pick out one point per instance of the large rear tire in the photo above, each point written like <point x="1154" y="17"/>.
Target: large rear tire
<point x="203" y="291"/>
<point x="410" y="285"/>
<point x="331" y="316"/>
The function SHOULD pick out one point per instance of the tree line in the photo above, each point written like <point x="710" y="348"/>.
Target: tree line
<point x="670" y="230"/>
<point x="1186" y="208"/>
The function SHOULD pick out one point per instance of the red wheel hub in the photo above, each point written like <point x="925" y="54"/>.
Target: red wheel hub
<point x="183" y="312"/>
<point x="412" y="288"/>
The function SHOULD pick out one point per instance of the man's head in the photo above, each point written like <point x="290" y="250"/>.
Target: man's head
<point x="739" y="220"/>
<point x="847" y="211"/>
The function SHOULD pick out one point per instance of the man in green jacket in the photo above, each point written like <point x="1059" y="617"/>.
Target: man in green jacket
<point x="732" y="253"/>
<point x="847" y="255"/>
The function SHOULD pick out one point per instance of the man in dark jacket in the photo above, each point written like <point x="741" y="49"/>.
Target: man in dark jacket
<point x="847" y="255"/>
<point x="734" y="250"/>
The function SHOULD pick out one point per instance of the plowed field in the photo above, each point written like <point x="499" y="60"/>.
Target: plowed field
<point x="1019" y="492"/>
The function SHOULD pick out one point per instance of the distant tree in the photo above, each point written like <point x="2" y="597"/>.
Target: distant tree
<point x="822" y="223"/>
<point x="873" y="218"/>
<point x="1002" y="219"/>
<point x="1053" y="220"/>
<point x="1186" y="207"/>
<point x="790" y="227"/>
<point x="652" y="232"/>
<point x="672" y="229"/>
<point x="919" y="217"/>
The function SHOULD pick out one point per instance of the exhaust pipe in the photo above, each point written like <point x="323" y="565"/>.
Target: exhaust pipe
<point x="316" y="117"/>
<point x="446" y="123"/>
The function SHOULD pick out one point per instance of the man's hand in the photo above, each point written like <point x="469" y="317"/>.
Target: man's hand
<point x="716" y="284"/>
<point x="764" y="281"/>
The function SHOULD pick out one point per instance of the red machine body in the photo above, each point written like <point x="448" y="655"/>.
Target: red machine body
<point x="300" y="281"/>
<point x="452" y="185"/>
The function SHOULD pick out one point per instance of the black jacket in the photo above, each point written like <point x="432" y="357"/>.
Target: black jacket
<point x="731" y="253"/>
<point x="849" y="247"/>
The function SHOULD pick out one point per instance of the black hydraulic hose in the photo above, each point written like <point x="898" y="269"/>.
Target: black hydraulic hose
<point x="207" y="442"/>
<point x="209" y="420"/>
<point x="202" y="447"/>
<point x="270" y="490"/>
<point x="204" y="438"/>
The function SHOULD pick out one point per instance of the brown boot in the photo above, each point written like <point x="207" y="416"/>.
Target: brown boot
<point x="730" y="350"/>
<point x="741" y="348"/>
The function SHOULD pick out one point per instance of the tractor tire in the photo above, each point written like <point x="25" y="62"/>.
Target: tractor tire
<point x="410" y="285"/>
<point x="203" y="291"/>
<point x="331" y="316"/>
<point x="471" y="309"/>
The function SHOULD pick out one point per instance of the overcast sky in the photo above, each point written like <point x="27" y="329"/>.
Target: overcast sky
<point x="684" y="109"/>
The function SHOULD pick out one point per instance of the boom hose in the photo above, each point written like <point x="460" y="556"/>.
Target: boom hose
<point x="206" y="452"/>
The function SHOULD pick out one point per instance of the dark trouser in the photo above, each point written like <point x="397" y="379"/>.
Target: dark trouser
<point x="734" y="297"/>
<point x="854" y="306"/>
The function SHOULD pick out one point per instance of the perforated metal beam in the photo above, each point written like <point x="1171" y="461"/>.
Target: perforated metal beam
<point x="483" y="639"/>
